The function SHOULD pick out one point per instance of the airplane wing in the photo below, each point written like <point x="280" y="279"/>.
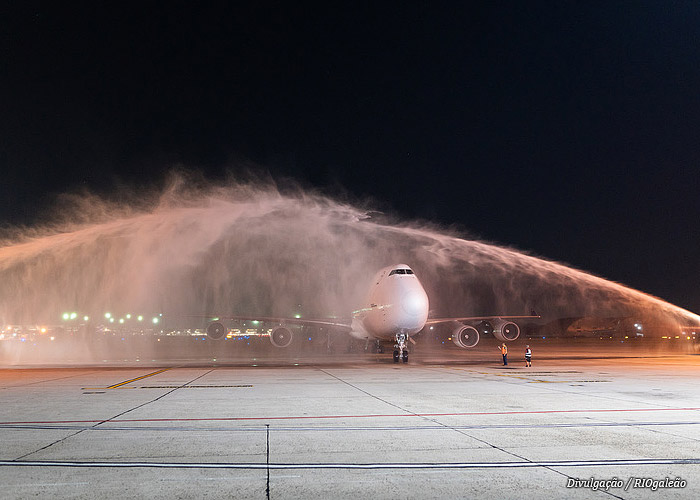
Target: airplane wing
<point x="434" y="321"/>
<point x="339" y="324"/>
<point x="465" y="330"/>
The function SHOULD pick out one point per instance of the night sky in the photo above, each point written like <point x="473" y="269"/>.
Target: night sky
<point x="568" y="129"/>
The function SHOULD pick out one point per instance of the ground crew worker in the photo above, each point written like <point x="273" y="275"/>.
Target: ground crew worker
<point x="528" y="356"/>
<point x="504" y="351"/>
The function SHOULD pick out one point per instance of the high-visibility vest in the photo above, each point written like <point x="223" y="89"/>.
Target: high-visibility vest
<point x="504" y="350"/>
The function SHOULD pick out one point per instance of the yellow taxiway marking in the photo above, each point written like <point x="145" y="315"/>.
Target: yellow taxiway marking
<point x="137" y="378"/>
<point x="116" y="386"/>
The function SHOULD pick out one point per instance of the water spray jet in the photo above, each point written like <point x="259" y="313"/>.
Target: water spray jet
<point x="246" y="248"/>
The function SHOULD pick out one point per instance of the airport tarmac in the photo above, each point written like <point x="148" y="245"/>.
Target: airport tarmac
<point x="355" y="430"/>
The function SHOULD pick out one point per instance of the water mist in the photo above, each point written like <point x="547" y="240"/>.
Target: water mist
<point x="247" y="248"/>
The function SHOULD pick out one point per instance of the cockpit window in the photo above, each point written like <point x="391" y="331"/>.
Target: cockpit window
<point x="401" y="271"/>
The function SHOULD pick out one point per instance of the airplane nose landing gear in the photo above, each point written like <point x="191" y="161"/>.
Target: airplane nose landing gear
<point x="400" y="350"/>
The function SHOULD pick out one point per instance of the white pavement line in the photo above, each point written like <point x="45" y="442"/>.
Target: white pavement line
<point x="341" y="429"/>
<point x="429" y="465"/>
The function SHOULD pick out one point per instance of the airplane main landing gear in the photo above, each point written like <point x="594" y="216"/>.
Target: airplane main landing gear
<point x="400" y="350"/>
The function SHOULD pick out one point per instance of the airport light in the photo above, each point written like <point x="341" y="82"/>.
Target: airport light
<point x="121" y="321"/>
<point x="86" y="318"/>
<point x="73" y="315"/>
<point x="128" y="316"/>
<point x="111" y="320"/>
<point x="108" y="315"/>
<point x="66" y="316"/>
<point x="297" y="316"/>
<point x="155" y="321"/>
<point x="140" y="318"/>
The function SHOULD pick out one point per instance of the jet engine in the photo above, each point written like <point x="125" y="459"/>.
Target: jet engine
<point x="505" y="331"/>
<point x="216" y="331"/>
<point x="281" y="336"/>
<point x="465" y="336"/>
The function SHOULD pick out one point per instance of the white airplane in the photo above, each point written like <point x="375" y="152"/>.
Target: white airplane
<point x="397" y="308"/>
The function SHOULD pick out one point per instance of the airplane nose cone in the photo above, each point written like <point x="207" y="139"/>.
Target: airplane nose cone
<point x="415" y="303"/>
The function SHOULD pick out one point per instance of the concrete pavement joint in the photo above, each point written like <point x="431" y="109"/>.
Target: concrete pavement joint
<point x="107" y="420"/>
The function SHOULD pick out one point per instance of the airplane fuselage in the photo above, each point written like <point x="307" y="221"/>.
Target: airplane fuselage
<point x="397" y="303"/>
